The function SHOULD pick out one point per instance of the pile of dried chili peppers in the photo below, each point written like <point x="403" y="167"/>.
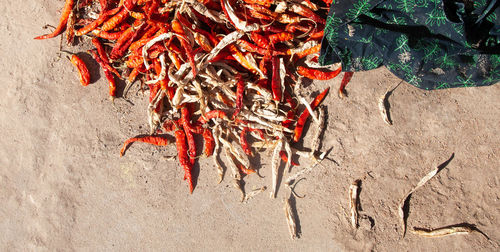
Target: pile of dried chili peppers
<point x="227" y="70"/>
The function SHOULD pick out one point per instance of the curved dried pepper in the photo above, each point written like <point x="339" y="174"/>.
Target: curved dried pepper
<point x="68" y="7"/>
<point x="315" y="74"/>
<point x="155" y="140"/>
<point x="83" y="71"/>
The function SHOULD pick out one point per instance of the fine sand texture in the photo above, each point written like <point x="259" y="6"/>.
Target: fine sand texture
<point x="64" y="187"/>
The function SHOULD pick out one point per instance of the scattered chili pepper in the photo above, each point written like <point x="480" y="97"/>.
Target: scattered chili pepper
<point x="82" y="70"/>
<point x="68" y="7"/>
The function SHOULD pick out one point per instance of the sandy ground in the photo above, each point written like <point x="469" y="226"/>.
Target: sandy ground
<point x="64" y="186"/>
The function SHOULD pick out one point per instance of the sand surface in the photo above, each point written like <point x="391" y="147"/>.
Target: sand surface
<point x="63" y="185"/>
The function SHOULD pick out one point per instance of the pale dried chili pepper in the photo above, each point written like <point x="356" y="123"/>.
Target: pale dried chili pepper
<point x="68" y="7"/>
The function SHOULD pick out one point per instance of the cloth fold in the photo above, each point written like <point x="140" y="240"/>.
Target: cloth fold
<point x="431" y="44"/>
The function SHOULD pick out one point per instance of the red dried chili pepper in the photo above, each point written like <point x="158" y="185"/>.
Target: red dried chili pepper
<point x="280" y="37"/>
<point x="70" y="28"/>
<point x="82" y="70"/>
<point x="125" y="40"/>
<point x="107" y="73"/>
<point x="244" y="143"/>
<point x="306" y="12"/>
<point x="259" y="39"/>
<point x="240" y="57"/>
<point x="316" y="35"/>
<point x="209" y="142"/>
<point x="276" y="79"/>
<point x="115" y="20"/>
<point x="183" y="39"/>
<point x="68" y="7"/>
<point x="211" y="115"/>
<point x="347" y="77"/>
<point x="90" y="27"/>
<point x="315" y="74"/>
<point x="180" y="142"/>
<point x="185" y="118"/>
<point x="155" y="140"/>
<point x="104" y="57"/>
<point x="108" y="35"/>
<point x="297" y="133"/>
<point x="265" y="3"/>
<point x="245" y="170"/>
<point x="285" y="158"/>
<point x="312" y="50"/>
<point x="240" y="89"/>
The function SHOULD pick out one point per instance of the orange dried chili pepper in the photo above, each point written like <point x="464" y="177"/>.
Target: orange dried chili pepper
<point x="155" y="140"/>
<point x="297" y="133"/>
<point x="68" y="7"/>
<point x="312" y="50"/>
<point x="315" y="74"/>
<point x="82" y="70"/>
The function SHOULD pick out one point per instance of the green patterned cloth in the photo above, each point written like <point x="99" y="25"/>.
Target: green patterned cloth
<point x="431" y="44"/>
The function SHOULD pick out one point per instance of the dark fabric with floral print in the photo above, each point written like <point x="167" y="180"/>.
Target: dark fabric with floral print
<point x="431" y="44"/>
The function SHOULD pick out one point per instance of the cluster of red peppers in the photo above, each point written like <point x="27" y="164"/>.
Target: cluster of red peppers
<point x="233" y="64"/>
